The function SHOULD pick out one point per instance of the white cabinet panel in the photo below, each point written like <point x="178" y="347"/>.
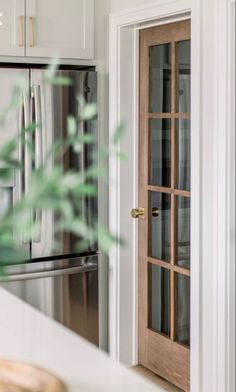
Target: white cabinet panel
<point x="12" y="27"/>
<point x="60" y="28"/>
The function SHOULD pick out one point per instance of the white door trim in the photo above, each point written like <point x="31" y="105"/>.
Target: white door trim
<point x="210" y="318"/>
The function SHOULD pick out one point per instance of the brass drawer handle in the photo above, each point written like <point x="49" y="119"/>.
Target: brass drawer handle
<point x="33" y="31"/>
<point x="137" y="212"/>
<point x="21" y="31"/>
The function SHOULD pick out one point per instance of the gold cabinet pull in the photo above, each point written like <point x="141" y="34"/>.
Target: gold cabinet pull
<point x="33" y="31"/>
<point x="21" y="31"/>
<point x="137" y="212"/>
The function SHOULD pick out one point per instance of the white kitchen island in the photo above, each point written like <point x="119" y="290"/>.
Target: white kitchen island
<point x="28" y="335"/>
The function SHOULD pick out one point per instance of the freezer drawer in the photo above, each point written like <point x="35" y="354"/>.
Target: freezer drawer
<point x="65" y="290"/>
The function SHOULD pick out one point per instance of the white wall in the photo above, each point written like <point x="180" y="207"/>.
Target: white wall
<point x="102" y="9"/>
<point x="118" y="5"/>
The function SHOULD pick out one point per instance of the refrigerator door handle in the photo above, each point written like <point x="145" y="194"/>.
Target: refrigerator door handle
<point x="90" y="267"/>
<point x="38" y="120"/>
<point x="36" y="97"/>
<point x="27" y="153"/>
<point x="27" y="146"/>
<point x="20" y="174"/>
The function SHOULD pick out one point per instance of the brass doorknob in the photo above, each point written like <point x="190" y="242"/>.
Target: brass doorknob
<point x="137" y="212"/>
<point x="155" y="212"/>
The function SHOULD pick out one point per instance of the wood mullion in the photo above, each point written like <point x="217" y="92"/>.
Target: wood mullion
<point x="160" y="189"/>
<point x="181" y="192"/>
<point x="172" y="283"/>
<point x="160" y="263"/>
<point x="176" y="71"/>
<point x="170" y="191"/>
<point x="166" y="265"/>
<point x="181" y="270"/>
<point x="173" y="232"/>
<point x="174" y="167"/>
<point x="174" y="157"/>
<point x="172" y="305"/>
<point x="169" y="115"/>
<point x="173" y="78"/>
<point x="149" y="218"/>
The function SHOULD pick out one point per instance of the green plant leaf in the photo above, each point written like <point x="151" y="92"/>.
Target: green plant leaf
<point x="89" y="111"/>
<point x="121" y="156"/>
<point x="52" y="69"/>
<point x="71" y="126"/>
<point x="61" y="81"/>
<point x="106" y="240"/>
<point x="8" y="149"/>
<point x="31" y="128"/>
<point x="86" y="138"/>
<point x="119" y="132"/>
<point x="85" y="190"/>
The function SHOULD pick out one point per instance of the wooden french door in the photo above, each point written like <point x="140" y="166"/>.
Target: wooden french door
<point x="164" y="199"/>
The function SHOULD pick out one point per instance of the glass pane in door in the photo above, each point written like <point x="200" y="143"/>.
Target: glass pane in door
<point x="159" y="225"/>
<point x="160" y="149"/>
<point x="159" y="299"/>
<point x="182" y="309"/>
<point x="184" y="66"/>
<point x="160" y="78"/>
<point x="184" y="225"/>
<point x="182" y="129"/>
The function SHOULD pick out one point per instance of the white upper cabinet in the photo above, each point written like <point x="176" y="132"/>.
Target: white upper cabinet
<point x="47" y="28"/>
<point x="63" y="28"/>
<point x="12" y="27"/>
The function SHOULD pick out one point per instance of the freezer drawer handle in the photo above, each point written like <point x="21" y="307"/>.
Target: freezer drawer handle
<point x="90" y="267"/>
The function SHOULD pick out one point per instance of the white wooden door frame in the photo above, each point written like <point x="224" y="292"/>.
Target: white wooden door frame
<point x="213" y="249"/>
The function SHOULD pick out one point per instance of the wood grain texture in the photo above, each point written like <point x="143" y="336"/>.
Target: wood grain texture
<point x="173" y="363"/>
<point x="164" y="264"/>
<point x="143" y="195"/>
<point x="169" y="115"/>
<point x="161" y="354"/>
<point x="171" y="32"/>
<point x="162" y="189"/>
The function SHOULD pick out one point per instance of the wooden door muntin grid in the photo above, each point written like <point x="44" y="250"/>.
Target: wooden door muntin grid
<point x="148" y="338"/>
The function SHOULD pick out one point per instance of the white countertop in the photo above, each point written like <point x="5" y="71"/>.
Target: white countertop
<point x="28" y="335"/>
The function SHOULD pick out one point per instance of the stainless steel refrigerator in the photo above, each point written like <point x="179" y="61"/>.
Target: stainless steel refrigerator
<point x="60" y="281"/>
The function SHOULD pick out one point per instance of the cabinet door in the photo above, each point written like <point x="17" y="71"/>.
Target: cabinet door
<point x="59" y="28"/>
<point x="12" y="27"/>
